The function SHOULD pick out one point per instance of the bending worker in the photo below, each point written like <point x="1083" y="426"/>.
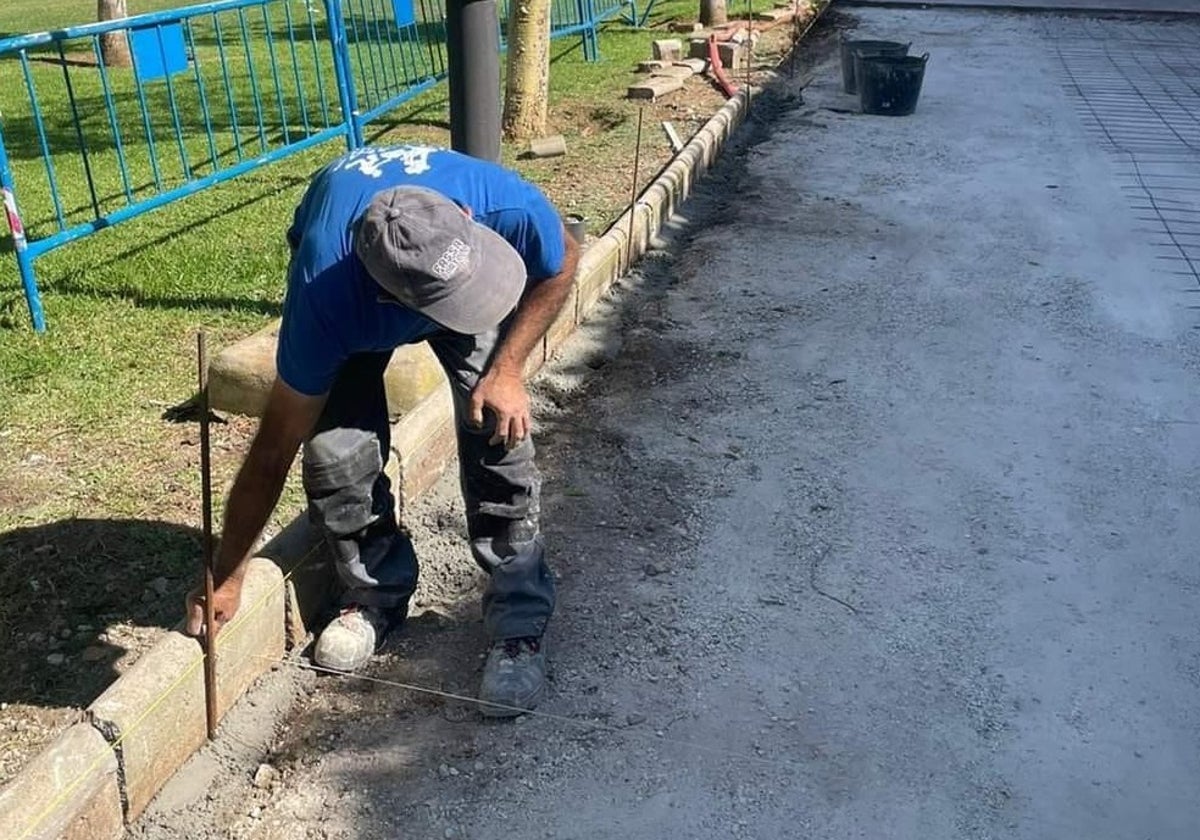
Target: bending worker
<point x="392" y="246"/>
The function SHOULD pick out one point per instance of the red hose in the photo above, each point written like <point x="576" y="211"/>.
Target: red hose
<point x="714" y="64"/>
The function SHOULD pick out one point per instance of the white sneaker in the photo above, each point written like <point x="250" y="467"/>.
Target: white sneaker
<point x="349" y="641"/>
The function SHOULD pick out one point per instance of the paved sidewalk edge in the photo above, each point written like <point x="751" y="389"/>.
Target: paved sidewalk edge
<point x="100" y="775"/>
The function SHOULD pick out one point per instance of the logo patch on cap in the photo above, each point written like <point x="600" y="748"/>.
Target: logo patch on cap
<point x="454" y="258"/>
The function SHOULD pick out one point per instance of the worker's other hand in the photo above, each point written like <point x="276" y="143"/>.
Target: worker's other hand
<point x="227" y="598"/>
<point x="505" y="396"/>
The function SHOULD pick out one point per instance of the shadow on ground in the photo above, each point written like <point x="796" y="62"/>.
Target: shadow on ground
<point x="68" y="592"/>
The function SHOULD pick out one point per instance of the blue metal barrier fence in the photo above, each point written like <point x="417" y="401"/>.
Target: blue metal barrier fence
<point x="214" y="91"/>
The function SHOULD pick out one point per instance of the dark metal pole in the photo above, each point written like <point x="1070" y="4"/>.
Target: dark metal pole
<point x="210" y="646"/>
<point x="473" y="42"/>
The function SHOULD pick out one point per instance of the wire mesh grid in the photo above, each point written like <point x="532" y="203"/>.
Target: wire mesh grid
<point x="1136" y="85"/>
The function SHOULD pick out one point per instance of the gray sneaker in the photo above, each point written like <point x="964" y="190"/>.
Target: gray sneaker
<point x="350" y="640"/>
<point x="514" y="677"/>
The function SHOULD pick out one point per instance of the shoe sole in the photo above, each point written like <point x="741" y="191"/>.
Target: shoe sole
<point x="515" y="709"/>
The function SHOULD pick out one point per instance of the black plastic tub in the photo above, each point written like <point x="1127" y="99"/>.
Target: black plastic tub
<point x="852" y="48"/>
<point x="890" y="86"/>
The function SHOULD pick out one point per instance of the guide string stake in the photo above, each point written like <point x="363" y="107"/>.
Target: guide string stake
<point x="210" y="651"/>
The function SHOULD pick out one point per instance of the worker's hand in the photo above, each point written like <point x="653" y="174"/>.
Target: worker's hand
<point x="226" y="599"/>
<point x="505" y="396"/>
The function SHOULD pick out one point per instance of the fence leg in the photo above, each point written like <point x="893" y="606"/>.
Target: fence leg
<point x="591" y="43"/>
<point x="20" y="245"/>
<point x="347" y="93"/>
<point x="32" y="297"/>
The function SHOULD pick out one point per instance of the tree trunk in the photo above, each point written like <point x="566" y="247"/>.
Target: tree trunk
<point x="114" y="46"/>
<point x="527" y="86"/>
<point x="712" y="13"/>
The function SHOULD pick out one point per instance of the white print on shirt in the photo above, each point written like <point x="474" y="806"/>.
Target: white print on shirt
<point x="372" y="162"/>
<point x="454" y="258"/>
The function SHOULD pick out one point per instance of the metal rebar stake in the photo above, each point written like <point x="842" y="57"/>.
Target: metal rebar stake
<point x="210" y="652"/>
<point x="637" y="162"/>
<point x="749" y="49"/>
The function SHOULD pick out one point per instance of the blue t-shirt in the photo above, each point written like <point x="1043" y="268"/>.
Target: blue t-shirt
<point x="333" y="309"/>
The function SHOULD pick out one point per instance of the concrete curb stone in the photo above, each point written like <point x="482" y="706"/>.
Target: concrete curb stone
<point x="154" y="714"/>
<point x="153" y="736"/>
<point x="79" y="770"/>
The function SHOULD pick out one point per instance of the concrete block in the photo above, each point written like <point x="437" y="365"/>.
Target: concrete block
<point x="156" y="710"/>
<point x="733" y="56"/>
<point x="775" y="16"/>
<point x="675" y="71"/>
<point x="424" y="443"/>
<point x="247" y="646"/>
<point x="651" y="66"/>
<point x="564" y="325"/>
<point x="698" y="48"/>
<point x="696" y="65"/>
<point x="668" y="49"/>
<point x="686" y="26"/>
<point x="301" y="551"/>
<point x="654" y="87"/>
<point x="543" y="147"/>
<point x="241" y="375"/>
<point x="413" y="374"/>
<point x="69" y="791"/>
<point x="599" y="268"/>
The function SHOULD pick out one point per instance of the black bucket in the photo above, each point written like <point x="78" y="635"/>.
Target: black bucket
<point x="890" y="86"/>
<point x="850" y="48"/>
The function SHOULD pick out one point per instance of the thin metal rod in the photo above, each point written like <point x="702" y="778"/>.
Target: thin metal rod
<point x="167" y="74"/>
<point x="291" y="28"/>
<point x="637" y="162"/>
<point x="210" y="650"/>
<point x="258" y="108"/>
<point x="112" y="120"/>
<point x="283" y="116"/>
<point x="40" y="125"/>
<point x="795" y="38"/>
<point x="208" y="128"/>
<point x="749" y="44"/>
<point x="233" y="120"/>
<point x="83" y="150"/>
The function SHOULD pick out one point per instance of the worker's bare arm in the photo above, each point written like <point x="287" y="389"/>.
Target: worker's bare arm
<point x="288" y="419"/>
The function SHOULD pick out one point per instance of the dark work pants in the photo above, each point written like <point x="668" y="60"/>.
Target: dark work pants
<point x="350" y="497"/>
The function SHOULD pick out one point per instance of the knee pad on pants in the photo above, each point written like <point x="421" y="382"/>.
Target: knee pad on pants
<point x="339" y="469"/>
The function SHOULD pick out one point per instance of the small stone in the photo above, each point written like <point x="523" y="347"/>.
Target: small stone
<point x="265" y="776"/>
<point x="449" y="832"/>
<point x="655" y="568"/>
<point x="255" y="812"/>
<point x="634" y="718"/>
<point x="478" y="766"/>
<point x="56" y="659"/>
<point x="453" y="771"/>
<point x="64" y="633"/>
<point x="94" y="654"/>
<point x="443" y="771"/>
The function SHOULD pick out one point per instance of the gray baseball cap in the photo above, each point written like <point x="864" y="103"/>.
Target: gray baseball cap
<point x="432" y="257"/>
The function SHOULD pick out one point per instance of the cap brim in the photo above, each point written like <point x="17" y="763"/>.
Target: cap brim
<point x="484" y="299"/>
